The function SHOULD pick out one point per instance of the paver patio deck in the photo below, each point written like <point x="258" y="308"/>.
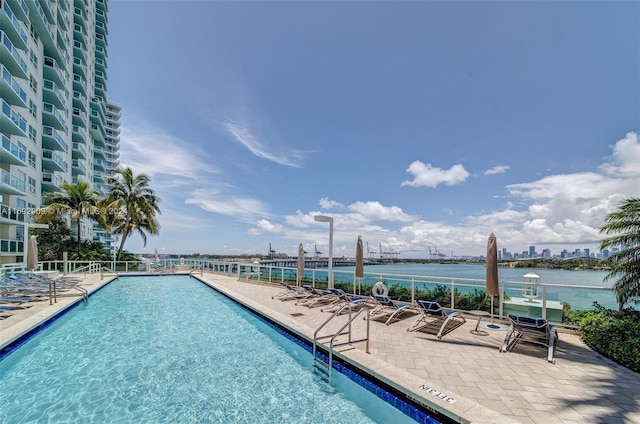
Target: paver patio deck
<point x="488" y="386"/>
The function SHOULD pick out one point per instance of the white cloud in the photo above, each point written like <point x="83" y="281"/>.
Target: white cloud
<point x="429" y="176"/>
<point x="374" y="211"/>
<point x="499" y="169"/>
<point x="326" y="203"/>
<point x="280" y="155"/>
<point x="150" y="150"/>
<point x="244" y="208"/>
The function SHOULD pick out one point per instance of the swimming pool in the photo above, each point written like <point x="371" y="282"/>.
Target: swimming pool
<point x="170" y="349"/>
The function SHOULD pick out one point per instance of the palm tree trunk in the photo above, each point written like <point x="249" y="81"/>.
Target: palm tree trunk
<point x="121" y="248"/>
<point x="79" y="240"/>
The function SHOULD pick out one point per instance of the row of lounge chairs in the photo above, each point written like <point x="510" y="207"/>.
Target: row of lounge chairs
<point x="20" y="291"/>
<point x="430" y="317"/>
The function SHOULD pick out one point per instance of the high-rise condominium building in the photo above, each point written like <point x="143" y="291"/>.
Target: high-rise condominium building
<point x="56" y="123"/>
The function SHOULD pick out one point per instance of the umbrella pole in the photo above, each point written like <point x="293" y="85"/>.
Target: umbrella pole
<point x="492" y="310"/>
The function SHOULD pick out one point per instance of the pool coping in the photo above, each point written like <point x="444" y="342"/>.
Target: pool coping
<point x="462" y="411"/>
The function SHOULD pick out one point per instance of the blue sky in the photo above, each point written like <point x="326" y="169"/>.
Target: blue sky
<point x="414" y="124"/>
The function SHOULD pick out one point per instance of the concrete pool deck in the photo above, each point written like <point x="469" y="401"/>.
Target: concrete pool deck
<point x="487" y="386"/>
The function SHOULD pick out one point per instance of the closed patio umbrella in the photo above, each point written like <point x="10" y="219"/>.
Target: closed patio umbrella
<point x="492" y="272"/>
<point x="32" y="253"/>
<point x="300" y="264"/>
<point x="359" y="262"/>
<point x="157" y="257"/>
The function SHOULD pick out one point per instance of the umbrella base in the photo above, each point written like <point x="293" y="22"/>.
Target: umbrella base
<point x="493" y="326"/>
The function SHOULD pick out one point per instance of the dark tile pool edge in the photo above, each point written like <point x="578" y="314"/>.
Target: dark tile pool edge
<point x="406" y="402"/>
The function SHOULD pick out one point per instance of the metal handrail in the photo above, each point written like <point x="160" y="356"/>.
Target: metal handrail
<point x="340" y="332"/>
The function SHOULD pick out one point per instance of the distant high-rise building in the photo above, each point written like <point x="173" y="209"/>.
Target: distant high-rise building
<point x="532" y="251"/>
<point x="53" y="124"/>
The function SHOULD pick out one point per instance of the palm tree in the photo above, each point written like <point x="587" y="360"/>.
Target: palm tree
<point x="136" y="205"/>
<point x="77" y="200"/>
<point x="624" y="225"/>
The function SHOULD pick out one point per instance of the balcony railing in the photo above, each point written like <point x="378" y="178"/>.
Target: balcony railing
<point x="56" y="158"/>
<point x="6" y="42"/>
<point x="10" y="213"/>
<point x="15" y="87"/>
<point x="17" y="149"/>
<point x="15" y="23"/>
<point x="53" y="133"/>
<point x="15" y="117"/>
<point x="12" y="180"/>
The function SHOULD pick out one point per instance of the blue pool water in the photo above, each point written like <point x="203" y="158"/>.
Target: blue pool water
<point x="171" y="350"/>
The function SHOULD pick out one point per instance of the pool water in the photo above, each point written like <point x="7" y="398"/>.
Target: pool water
<point x="171" y="350"/>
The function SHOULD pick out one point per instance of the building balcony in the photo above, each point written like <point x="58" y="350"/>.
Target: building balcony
<point x="97" y="132"/>
<point x="10" y="184"/>
<point x="11" y="90"/>
<point x="101" y="41"/>
<point x="98" y="177"/>
<point x="13" y="27"/>
<point x="51" y="117"/>
<point x="22" y="11"/>
<point x="79" y="101"/>
<point x="12" y="57"/>
<point x="78" y="152"/>
<point x="62" y="39"/>
<point x="54" y="72"/>
<point x="79" y="68"/>
<point x="10" y="215"/>
<point x="79" y="16"/>
<point x="52" y="94"/>
<point x="11" y="121"/>
<point x="99" y="165"/>
<point x="11" y="247"/>
<point x="51" y="139"/>
<point x="100" y="89"/>
<point x="40" y="21"/>
<point x="97" y="117"/>
<point x="13" y="152"/>
<point x="79" y="117"/>
<point x="80" y="83"/>
<point x="78" y="168"/>
<point x="51" y="182"/>
<point x="63" y="21"/>
<point x="101" y="28"/>
<point x="101" y="52"/>
<point x="79" y="135"/>
<point x="53" y="161"/>
<point x="99" y="154"/>
<point x="100" y="64"/>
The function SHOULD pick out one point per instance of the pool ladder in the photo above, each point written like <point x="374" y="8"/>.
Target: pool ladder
<point x="341" y="331"/>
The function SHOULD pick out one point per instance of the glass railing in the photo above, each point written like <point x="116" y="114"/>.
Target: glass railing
<point x="12" y="180"/>
<point x="14" y="21"/>
<point x="14" y="214"/>
<point x="78" y="147"/>
<point x="45" y="20"/>
<point x="49" y="108"/>
<point x="63" y="75"/>
<point x="79" y="165"/>
<point x="52" y="132"/>
<point x="4" y="39"/>
<point x="55" y="157"/>
<point x="15" y="149"/>
<point x="51" y="178"/>
<point x="14" y="116"/>
<point x="6" y="75"/>
<point x="50" y="85"/>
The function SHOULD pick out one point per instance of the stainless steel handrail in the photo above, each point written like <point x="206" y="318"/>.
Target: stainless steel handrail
<point x="340" y="332"/>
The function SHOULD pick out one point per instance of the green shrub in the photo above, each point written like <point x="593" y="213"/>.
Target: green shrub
<point x="614" y="334"/>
